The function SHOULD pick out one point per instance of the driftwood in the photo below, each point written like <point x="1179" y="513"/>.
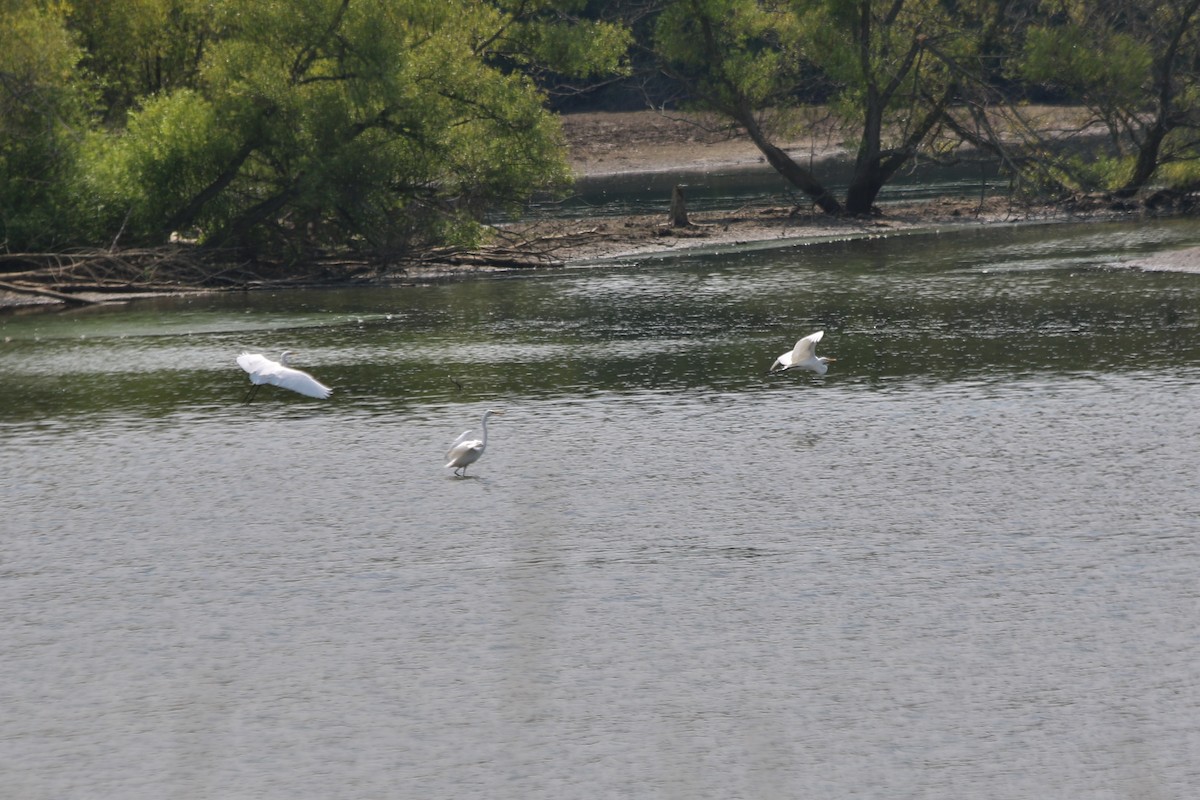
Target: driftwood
<point x="498" y="260"/>
<point x="70" y="299"/>
<point x="517" y="248"/>
<point x="63" y="276"/>
<point x="167" y="264"/>
<point x="82" y="277"/>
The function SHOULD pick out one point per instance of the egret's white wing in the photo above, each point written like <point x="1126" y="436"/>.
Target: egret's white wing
<point x="806" y="348"/>
<point x="464" y="452"/>
<point x="264" y="370"/>
<point x="462" y="437"/>
<point x="297" y="381"/>
<point x="254" y="362"/>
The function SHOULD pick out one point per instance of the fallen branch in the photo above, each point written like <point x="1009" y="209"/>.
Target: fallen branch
<point x="70" y="299"/>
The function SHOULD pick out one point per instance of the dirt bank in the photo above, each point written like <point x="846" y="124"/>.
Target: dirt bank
<point x="590" y="239"/>
<point x="649" y="141"/>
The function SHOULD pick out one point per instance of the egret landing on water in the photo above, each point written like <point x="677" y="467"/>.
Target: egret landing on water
<point x="278" y="373"/>
<point x="803" y="356"/>
<point x="465" y="450"/>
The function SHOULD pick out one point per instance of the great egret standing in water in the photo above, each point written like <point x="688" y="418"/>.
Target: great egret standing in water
<point x="278" y="373"/>
<point x="465" y="451"/>
<point x="803" y="356"/>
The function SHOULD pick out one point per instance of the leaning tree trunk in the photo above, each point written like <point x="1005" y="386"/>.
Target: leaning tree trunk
<point x="1147" y="162"/>
<point x="1149" y="151"/>
<point x="238" y="231"/>
<point x="185" y="216"/>
<point x="792" y="172"/>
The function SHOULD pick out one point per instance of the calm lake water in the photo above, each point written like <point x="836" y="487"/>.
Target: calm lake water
<point x="964" y="564"/>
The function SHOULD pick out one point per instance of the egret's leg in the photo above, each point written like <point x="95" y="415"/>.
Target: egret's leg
<point x="251" y="392"/>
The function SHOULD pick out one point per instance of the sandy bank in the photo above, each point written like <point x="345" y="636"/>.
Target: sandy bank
<point x="648" y="141"/>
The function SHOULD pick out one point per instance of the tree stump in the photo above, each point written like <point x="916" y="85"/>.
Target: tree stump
<point x="679" y="217"/>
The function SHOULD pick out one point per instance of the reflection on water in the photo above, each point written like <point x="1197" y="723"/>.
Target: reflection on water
<point x="962" y="564"/>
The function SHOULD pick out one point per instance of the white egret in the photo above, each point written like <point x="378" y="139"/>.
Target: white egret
<point x="803" y="356"/>
<point x="278" y="373"/>
<point x="466" y="450"/>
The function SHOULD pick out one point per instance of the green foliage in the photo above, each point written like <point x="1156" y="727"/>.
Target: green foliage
<point x="169" y="151"/>
<point x="1109" y="66"/>
<point x="1133" y="63"/>
<point x="732" y="52"/>
<point x="1103" y="173"/>
<point x="374" y="126"/>
<point x="889" y="68"/>
<point x="136" y="48"/>
<point x="1183" y="175"/>
<point x="43" y="108"/>
<point x="582" y="49"/>
<point x="552" y="35"/>
<point x="287" y="126"/>
<point x="904" y="74"/>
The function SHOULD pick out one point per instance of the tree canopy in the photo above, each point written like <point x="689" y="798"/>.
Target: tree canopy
<point x="289" y="128"/>
<point x="44" y="110"/>
<point x="1135" y="65"/>
<point x="919" y="78"/>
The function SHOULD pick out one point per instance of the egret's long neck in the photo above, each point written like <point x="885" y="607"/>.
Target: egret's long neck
<point x="484" y="425"/>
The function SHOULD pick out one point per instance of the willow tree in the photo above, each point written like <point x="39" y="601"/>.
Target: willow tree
<point x="891" y="69"/>
<point x="379" y="124"/>
<point x="1135" y="64"/>
<point x="138" y="48"/>
<point x="44" y="107"/>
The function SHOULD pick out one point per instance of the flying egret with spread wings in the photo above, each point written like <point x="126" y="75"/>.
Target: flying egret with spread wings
<point x="466" y="450"/>
<point x="803" y="356"/>
<point x="278" y="373"/>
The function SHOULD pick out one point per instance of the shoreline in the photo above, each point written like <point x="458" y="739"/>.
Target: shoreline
<point x="627" y="238"/>
<point x="616" y="238"/>
<point x="647" y="142"/>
